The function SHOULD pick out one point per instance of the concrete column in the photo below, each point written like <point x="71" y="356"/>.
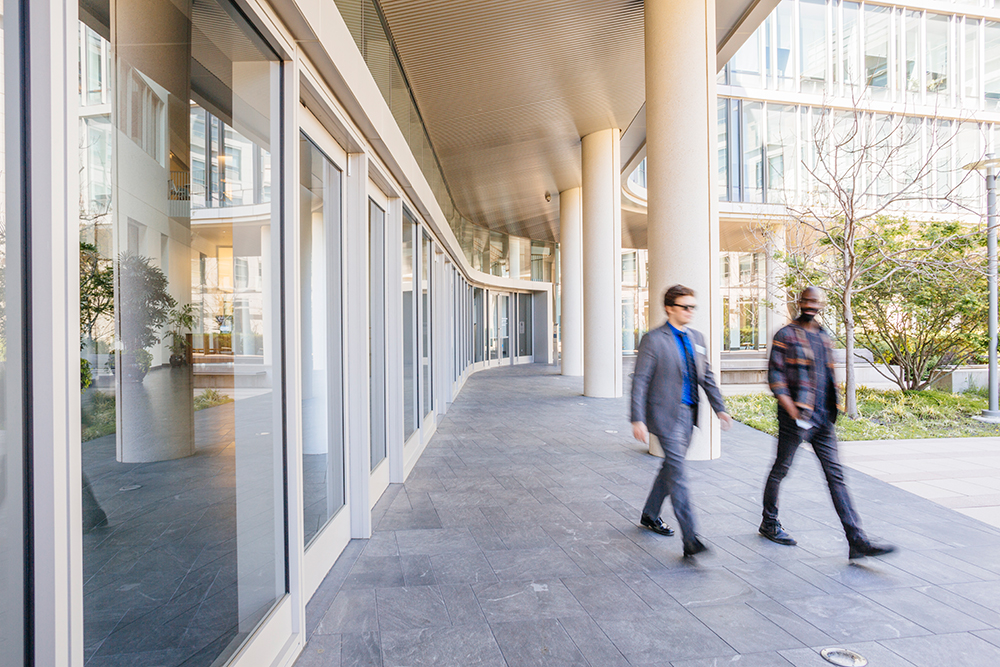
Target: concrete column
<point x="776" y="293"/>
<point x="683" y="221"/>
<point x="602" y="257"/>
<point x="571" y="270"/>
<point x="514" y="257"/>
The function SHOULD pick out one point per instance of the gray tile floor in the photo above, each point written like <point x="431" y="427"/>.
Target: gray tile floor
<point x="514" y="542"/>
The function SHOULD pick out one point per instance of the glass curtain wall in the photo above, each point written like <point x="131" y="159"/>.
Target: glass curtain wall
<point x="410" y="408"/>
<point x="321" y="338"/>
<point x="182" y="426"/>
<point x="376" y="331"/>
<point x="12" y="611"/>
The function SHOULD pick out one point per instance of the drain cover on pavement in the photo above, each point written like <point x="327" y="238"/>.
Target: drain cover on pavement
<point x="843" y="657"/>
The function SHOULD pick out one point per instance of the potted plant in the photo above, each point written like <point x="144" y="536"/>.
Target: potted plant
<point x="145" y="306"/>
<point x="182" y="322"/>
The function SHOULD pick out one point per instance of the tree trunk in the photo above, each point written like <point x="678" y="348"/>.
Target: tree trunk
<point x="850" y="385"/>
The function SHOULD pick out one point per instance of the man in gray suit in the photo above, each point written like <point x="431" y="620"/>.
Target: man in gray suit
<point x="671" y="365"/>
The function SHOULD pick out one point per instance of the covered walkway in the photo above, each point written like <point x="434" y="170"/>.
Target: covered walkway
<point x="515" y="542"/>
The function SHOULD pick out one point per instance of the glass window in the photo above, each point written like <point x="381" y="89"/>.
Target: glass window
<point x="182" y="422"/>
<point x="753" y="162"/>
<point x="410" y="409"/>
<point x="744" y="68"/>
<point x="877" y="51"/>
<point x="723" y="147"/>
<point x="376" y="331"/>
<point x="12" y="610"/>
<point x="970" y="149"/>
<point x="321" y="338"/>
<point x="813" y="45"/>
<point x="781" y="160"/>
<point x="494" y="328"/>
<point x="971" y="47"/>
<point x="426" y="372"/>
<point x="911" y="53"/>
<point x="785" y="36"/>
<point x="503" y="321"/>
<point x="850" y="45"/>
<point x="478" y="324"/>
<point x="524" y="330"/>
<point x="629" y="275"/>
<point x="938" y="28"/>
<point x="991" y="69"/>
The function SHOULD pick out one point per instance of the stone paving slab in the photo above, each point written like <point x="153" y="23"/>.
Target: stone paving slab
<point x="515" y="542"/>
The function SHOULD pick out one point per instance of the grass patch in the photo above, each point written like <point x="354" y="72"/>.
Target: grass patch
<point x="97" y="415"/>
<point x="209" y="399"/>
<point x="884" y="415"/>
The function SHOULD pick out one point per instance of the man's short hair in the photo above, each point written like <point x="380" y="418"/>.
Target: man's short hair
<point x="675" y="292"/>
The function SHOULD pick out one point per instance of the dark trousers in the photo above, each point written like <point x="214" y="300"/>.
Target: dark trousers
<point x="824" y="443"/>
<point x="671" y="480"/>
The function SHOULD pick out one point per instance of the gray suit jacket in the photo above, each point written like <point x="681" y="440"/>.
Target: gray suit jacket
<point x="658" y="380"/>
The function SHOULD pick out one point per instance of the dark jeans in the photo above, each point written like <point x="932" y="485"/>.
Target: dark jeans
<point x="824" y="443"/>
<point x="671" y="480"/>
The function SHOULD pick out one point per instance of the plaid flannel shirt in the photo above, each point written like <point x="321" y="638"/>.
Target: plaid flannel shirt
<point x="790" y="369"/>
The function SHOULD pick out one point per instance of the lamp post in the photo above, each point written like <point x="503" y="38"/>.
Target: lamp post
<point x="990" y="163"/>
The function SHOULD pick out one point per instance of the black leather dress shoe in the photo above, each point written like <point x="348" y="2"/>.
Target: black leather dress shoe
<point x="863" y="548"/>
<point x="773" y="531"/>
<point x="694" y="547"/>
<point x="655" y="524"/>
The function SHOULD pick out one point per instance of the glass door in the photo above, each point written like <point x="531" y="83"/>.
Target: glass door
<point x="503" y="324"/>
<point x="478" y="325"/>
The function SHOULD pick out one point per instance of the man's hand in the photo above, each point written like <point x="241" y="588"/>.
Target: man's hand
<point x="785" y="401"/>
<point x="726" y="420"/>
<point x="640" y="432"/>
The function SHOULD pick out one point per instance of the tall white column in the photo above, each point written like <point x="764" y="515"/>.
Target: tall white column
<point x="571" y="280"/>
<point x="602" y="257"/>
<point x="682" y="199"/>
<point x="514" y="257"/>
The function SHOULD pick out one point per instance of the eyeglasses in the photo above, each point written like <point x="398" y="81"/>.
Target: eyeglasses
<point x="689" y="308"/>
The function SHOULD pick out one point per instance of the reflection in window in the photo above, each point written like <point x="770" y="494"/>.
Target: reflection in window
<point x="744" y="68"/>
<point x="785" y="36"/>
<point x="938" y="27"/>
<point x="877" y="51"/>
<point x="781" y="162"/>
<point x="410" y="409"/>
<point x="971" y="46"/>
<point x="723" y="146"/>
<point x="850" y="45"/>
<point x="911" y="51"/>
<point x="753" y="163"/>
<point x="426" y="255"/>
<point x="180" y="340"/>
<point x="376" y="332"/>
<point x="812" y="45"/>
<point x="12" y="610"/>
<point x="321" y="338"/>
<point x="991" y="78"/>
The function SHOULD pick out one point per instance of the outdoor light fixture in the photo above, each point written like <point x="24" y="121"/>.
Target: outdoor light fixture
<point x="548" y="196"/>
<point x="990" y="163"/>
<point x="843" y="657"/>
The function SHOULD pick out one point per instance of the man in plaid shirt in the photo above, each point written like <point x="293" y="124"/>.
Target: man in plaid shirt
<point x="800" y="373"/>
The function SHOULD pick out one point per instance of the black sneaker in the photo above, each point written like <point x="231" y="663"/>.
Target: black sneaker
<point x="694" y="547"/>
<point x="773" y="531"/>
<point x="865" y="547"/>
<point x="655" y="524"/>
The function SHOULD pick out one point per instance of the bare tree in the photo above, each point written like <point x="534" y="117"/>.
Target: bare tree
<point x="860" y="168"/>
